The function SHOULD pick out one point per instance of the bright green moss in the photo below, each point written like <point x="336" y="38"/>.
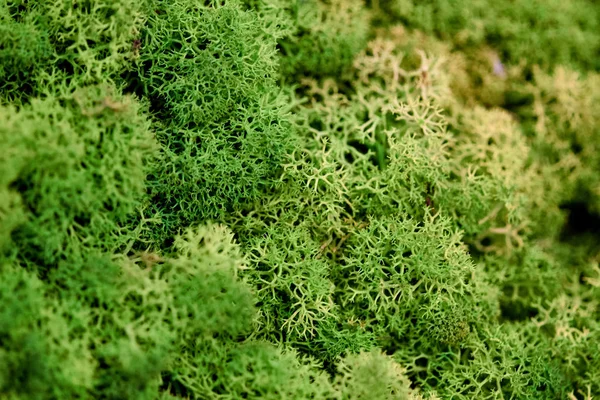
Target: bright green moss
<point x="402" y="278"/>
<point x="24" y="48"/>
<point x="45" y="43"/>
<point x="198" y="287"/>
<point x="127" y="322"/>
<point x="372" y="375"/>
<point x="497" y="363"/>
<point x="12" y="213"/>
<point x="204" y="63"/>
<point x="209" y="72"/>
<point x="42" y="354"/>
<point x="416" y="215"/>
<point x="259" y="370"/>
<point x="292" y="282"/>
<point x="78" y="163"/>
<point x="125" y="325"/>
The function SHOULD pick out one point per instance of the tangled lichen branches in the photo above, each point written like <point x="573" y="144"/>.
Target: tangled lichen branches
<point x="299" y="199"/>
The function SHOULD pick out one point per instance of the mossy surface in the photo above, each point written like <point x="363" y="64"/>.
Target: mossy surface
<point x="311" y="199"/>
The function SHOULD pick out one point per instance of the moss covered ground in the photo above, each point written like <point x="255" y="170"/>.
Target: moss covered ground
<point x="299" y="199"/>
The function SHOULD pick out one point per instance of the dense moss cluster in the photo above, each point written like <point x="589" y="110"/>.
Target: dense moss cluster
<point x="276" y="199"/>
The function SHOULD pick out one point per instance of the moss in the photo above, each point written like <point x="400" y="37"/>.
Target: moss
<point x="372" y="375"/>
<point x="225" y="132"/>
<point x="298" y="199"/>
<point x="325" y="39"/>
<point x="24" y="49"/>
<point x="539" y="32"/>
<point x="42" y="354"/>
<point x="78" y="165"/>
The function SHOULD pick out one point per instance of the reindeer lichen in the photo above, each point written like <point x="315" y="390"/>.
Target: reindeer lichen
<point x="311" y="199"/>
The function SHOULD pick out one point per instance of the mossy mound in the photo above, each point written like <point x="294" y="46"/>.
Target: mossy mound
<point x="311" y="199"/>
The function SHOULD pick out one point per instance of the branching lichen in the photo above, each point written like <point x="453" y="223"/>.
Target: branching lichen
<point x="303" y="199"/>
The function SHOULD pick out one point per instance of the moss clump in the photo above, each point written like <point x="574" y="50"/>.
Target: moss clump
<point x="43" y="354"/>
<point x="46" y="43"/>
<point x="393" y="279"/>
<point x="77" y="162"/>
<point x="209" y="72"/>
<point x="325" y="38"/>
<point x="24" y="48"/>
<point x="299" y="199"/>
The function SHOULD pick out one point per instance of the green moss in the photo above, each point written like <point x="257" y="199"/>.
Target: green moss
<point x="42" y="353"/>
<point x="401" y="278"/>
<point x="23" y="49"/>
<point x="259" y="370"/>
<point x="299" y="199"/>
<point x="210" y="75"/>
<point x="78" y="164"/>
<point x="372" y="375"/>
<point x="549" y="33"/>
<point x="514" y="366"/>
<point x="325" y="39"/>
<point x="45" y="43"/>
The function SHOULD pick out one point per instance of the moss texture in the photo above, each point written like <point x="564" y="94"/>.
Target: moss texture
<point x="299" y="199"/>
